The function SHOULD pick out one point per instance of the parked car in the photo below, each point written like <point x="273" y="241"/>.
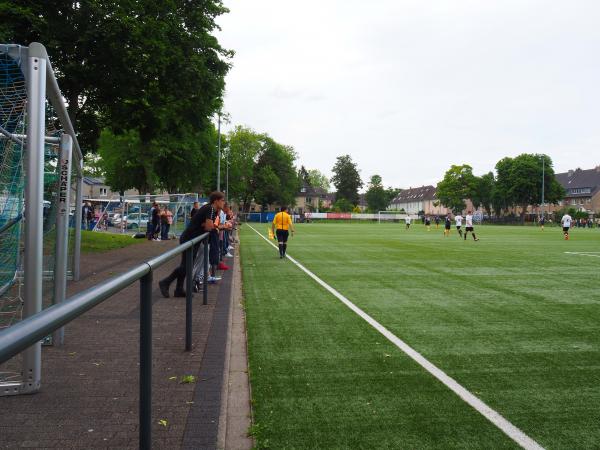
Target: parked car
<point x="136" y="221"/>
<point x="114" y="219"/>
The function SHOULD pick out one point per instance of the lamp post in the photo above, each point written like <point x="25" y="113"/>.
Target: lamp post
<point x="219" y="153"/>
<point x="227" y="176"/>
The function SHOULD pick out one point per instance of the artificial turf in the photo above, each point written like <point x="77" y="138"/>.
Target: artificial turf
<point x="512" y="318"/>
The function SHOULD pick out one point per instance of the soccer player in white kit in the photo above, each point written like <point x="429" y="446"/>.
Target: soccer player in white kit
<point x="469" y="226"/>
<point x="566" y="224"/>
<point x="458" y="220"/>
<point x="407" y="220"/>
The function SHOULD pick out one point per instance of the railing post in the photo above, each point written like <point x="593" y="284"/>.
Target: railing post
<point x="145" y="426"/>
<point x="205" y="274"/>
<point x="189" y="274"/>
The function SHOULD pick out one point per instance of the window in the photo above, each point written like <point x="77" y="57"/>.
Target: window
<point x="573" y="201"/>
<point x="580" y="191"/>
<point x="103" y="192"/>
<point x="308" y="200"/>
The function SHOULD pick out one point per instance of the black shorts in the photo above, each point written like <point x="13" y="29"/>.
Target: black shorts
<point x="447" y="227"/>
<point x="469" y="229"/>
<point x="458" y="227"/>
<point x="282" y="235"/>
<point x="566" y="229"/>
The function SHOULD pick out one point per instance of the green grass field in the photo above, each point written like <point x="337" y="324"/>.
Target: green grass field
<point x="92" y="242"/>
<point x="513" y="318"/>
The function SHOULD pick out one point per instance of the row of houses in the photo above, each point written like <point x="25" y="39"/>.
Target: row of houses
<point x="582" y="189"/>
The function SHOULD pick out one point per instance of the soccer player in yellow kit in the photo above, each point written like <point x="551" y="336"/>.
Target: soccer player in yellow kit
<point x="281" y="226"/>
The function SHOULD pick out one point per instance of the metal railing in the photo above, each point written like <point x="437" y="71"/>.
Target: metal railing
<point x="21" y="336"/>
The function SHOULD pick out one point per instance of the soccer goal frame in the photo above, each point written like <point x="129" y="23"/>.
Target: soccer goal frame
<point x="390" y="215"/>
<point x="42" y="88"/>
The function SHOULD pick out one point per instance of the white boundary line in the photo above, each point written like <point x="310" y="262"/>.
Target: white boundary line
<point x="493" y="416"/>
<point x="583" y="254"/>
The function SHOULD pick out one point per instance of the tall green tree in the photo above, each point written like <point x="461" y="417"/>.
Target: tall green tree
<point x="519" y="181"/>
<point x="457" y="185"/>
<point x="153" y="67"/>
<point x="391" y="193"/>
<point x="243" y="147"/>
<point x="275" y="178"/>
<point x="483" y="190"/>
<point x="303" y="176"/>
<point x="346" y="179"/>
<point x="120" y="162"/>
<point x="318" y="179"/>
<point x="377" y="199"/>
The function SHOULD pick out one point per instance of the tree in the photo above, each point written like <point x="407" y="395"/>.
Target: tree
<point x="483" y="190"/>
<point x="391" y="194"/>
<point x="346" y="179"/>
<point x="303" y="176"/>
<point x="92" y="166"/>
<point x="342" y="205"/>
<point x="123" y="168"/>
<point x="243" y="148"/>
<point x="275" y="179"/>
<point x="377" y="199"/>
<point x="318" y="180"/>
<point x="457" y="185"/>
<point x="152" y="67"/>
<point x="519" y="181"/>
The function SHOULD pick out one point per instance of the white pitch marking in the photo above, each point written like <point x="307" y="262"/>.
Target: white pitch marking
<point x="584" y="254"/>
<point x="493" y="416"/>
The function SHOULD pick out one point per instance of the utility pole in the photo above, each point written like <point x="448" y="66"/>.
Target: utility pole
<point x="227" y="176"/>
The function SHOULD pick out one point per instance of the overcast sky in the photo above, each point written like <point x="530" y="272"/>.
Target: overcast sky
<point x="409" y="87"/>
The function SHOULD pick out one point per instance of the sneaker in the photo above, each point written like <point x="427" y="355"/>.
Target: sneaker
<point x="179" y="293"/>
<point x="231" y="247"/>
<point x="229" y="255"/>
<point x="222" y="266"/>
<point x="213" y="280"/>
<point x="476" y="239"/>
<point x="164" y="289"/>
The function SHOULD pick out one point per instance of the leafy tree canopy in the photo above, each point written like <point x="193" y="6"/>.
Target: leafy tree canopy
<point x="346" y="179"/>
<point x="318" y="179"/>
<point x="457" y="185"/>
<point x="376" y="196"/>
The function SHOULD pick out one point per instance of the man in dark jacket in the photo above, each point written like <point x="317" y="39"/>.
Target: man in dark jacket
<point x="202" y="222"/>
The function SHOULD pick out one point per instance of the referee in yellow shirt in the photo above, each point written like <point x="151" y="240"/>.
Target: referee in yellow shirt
<point x="282" y="223"/>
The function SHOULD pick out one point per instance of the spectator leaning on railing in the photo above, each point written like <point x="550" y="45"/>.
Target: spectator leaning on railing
<point x="204" y="220"/>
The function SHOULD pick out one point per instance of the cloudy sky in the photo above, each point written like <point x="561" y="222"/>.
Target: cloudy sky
<point x="409" y="87"/>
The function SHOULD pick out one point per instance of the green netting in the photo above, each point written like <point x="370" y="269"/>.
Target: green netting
<point x="13" y="96"/>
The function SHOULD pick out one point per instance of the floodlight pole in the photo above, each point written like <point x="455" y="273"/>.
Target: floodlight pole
<point x="219" y="153"/>
<point x="227" y="178"/>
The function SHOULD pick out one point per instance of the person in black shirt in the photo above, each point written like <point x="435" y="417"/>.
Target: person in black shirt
<point x="447" y="225"/>
<point x="155" y="222"/>
<point x="203" y="221"/>
<point x="195" y="208"/>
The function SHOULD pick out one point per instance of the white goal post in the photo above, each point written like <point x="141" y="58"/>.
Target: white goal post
<point x="390" y="215"/>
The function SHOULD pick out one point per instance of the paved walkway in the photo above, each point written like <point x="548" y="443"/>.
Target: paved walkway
<point x="89" y="397"/>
